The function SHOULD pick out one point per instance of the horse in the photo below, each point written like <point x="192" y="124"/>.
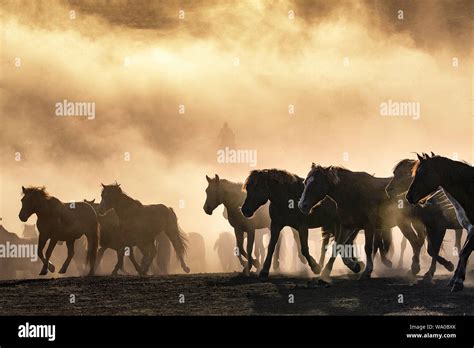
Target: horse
<point x="197" y="252"/>
<point x="142" y="223"/>
<point x="230" y="194"/>
<point x="58" y="221"/>
<point x="362" y="203"/>
<point x="457" y="181"/>
<point x="436" y="215"/>
<point x="225" y="251"/>
<point x="283" y="190"/>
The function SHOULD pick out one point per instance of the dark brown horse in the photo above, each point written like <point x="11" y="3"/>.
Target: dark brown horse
<point x="58" y="221"/>
<point x="457" y="180"/>
<point x="230" y="194"/>
<point x="436" y="215"/>
<point x="361" y="201"/>
<point x="142" y="223"/>
<point x="283" y="190"/>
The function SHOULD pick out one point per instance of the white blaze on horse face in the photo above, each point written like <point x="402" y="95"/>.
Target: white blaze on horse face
<point x="460" y="213"/>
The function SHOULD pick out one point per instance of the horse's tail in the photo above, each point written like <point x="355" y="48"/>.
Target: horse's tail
<point x="177" y="238"/>
<point x="92" y="247"/>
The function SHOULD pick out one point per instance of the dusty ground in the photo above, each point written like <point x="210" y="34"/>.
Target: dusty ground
<point x="231" y="294"/>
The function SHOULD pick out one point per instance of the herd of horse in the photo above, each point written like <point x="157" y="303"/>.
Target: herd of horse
<point x="424" y="198"/>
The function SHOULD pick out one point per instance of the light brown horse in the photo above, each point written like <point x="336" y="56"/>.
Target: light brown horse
<point x="58" y="221"/>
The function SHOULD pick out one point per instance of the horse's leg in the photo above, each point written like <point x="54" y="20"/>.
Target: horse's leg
<point x="46" y="265"/>
<point x="276" y="256"/>
<point x="458" y="236"/>
<point x="134" y="261"/>
<point x="457" y="281"/>
<point x="100" y="254"/>
<point x="149" y="253"/>
<point x="274" y="235"/>
<point x="383" y="253"/>
<point x="239" y="238"/>
<point x="250" y="260"/>
<point x="369" y="247"/>
<point x="259" y="249"/>
<point x="403" y="246"/>
<point x="305" y="251"/>
<point x="345" y="238"/>
<point x="324" y="245"/>
<point x="296" y="236"/>
<point x="119" y="265"/>
<point x="70" y="255"/>
<point x="49" y="251"/>
<point x="409" y="234"/>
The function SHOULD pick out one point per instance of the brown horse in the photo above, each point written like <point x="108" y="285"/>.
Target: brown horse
<point x="58" y="221"/>
<point x="457" y="180"/>
<point x="142" y="223"/>
<point x="361" y="202"/>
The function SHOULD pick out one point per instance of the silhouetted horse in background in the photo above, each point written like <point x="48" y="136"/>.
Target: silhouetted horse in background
<point x="142" y="223"/>
<point x="362" y="204"/>
<point x="58" y="221"/>
<point x="230" y="194"/>
<point x="224" y="246"/>
<point x="436" y="215"/>
<point x="283" y="190"/>
<point x="457" y="180"/>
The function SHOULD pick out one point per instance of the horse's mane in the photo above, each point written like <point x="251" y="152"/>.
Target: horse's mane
<point x="332" y="172"/>
<point x="134" y="201"/>
<point x="403" y="162"/>
<point x="40" y="190"/>
<point x="461" y="164"/>
<point x="277" y="175"/>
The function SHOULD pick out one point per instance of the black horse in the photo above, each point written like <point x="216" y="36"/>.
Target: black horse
<point x="457" y="180"/>
<point x="283" y="190"/>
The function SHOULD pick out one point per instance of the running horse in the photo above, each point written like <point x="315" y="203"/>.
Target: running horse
<point x="143" y="223"/>
<point x="457" y="181"/>
<point x="283" y="190"/>
<point x="58" y="221"/>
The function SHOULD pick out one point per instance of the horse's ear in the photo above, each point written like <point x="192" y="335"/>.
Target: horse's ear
<point x="103" y="186"/>
<point x="313" y="165"/>
<point x="217" y="178"/>
<point x="93" y="201"/>
<point x="23" y="189"/>
<point x="208" y="179"/>
<point x="432" y="154"/>
<point x="419" y="157"/>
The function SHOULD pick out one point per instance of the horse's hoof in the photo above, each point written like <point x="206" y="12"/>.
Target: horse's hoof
<point x="451" y="281"/>
<point x="263" y="274"/>
<point x="364" y="276"/>
<point x="51" y="267"/>
<point x="62" y="271"/>
<point x="43" y="272"/>
<point x="457" y="287"/>
<point x="186" y="269"/>
<point x="316" y="268"/>
<point x="449" y="266"/>
<point x="276" y="265"/>
<point x="427" y="278"/>
<point x="303" y="260"/>
<point x="324" y="282"/>
<point x="415" y="268"/>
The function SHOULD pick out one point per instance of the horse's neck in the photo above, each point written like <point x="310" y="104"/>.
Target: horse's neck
<point x="233" y="197"/>
<point x="126" y="205"/>
<point x="52" y="208"/>
<point x="344" y="190"/>
<point x="456" y="184"/>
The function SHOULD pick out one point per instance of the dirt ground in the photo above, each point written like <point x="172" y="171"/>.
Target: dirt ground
<point x="231" y="294"/>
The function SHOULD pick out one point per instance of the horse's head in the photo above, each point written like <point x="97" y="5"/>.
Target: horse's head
<point x="316" y="186"/>
<point x="402" y="178"/>
<point x="214" y="194"/>
<point x="257" y="190"/>
<point x="109" y="197"/>
<point x="426" y="179"/>
<point x="32" y="201"/>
